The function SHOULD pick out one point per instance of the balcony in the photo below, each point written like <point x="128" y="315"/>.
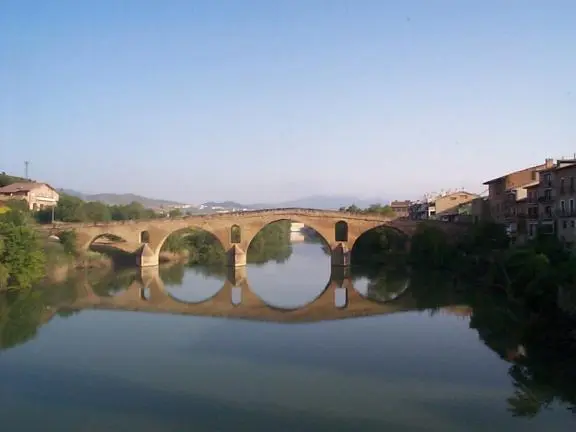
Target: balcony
<point x="566" y="213"/>
<point x="545" y="199"/>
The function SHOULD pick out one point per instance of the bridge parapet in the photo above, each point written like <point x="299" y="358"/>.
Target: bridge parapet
<point x="249" y="223"/>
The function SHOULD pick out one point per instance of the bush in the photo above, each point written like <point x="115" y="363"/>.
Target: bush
<point x="68" y="241"/>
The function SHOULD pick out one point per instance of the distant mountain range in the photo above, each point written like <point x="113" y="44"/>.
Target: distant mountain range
<point x="325" y="202"/>
<point x="122" y="199"/>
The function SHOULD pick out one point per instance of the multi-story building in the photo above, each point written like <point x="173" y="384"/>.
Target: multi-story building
<point x="516" y="210"/>
<point x="480" y="209"/>
<point x="37" y="195"/>
<point x="401" y="208"/>
<point x="563" y="184"/>
<point x="549" y="201"/>
<point x="451" y="206"/>
<point x="448" y="206"/>
<point x="498" y="188"/>
<point x="421" y="210"/>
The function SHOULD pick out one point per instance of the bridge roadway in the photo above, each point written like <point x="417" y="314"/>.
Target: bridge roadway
<point x="235" y="231"/>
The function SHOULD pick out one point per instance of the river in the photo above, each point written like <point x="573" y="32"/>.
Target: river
<point x="288" y="349"/>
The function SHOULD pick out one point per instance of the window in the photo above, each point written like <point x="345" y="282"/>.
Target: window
<point x="572" y="184"/>
<point x="572" y="223"/>
<point x="548" y="195"/>
<point x="571" y="205"/>
<point x="341" y="231"/>
<point x="564" y="224"/>
<point x="562" y="185"/>
<point x="563" y="206"/>
<point x="235" y="234"/>
<point x="548" y="211"/>
<point x="547" y="180"/>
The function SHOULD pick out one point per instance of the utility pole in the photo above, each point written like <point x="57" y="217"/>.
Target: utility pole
<point x="53" y="208"/>
<point x="26" y="163"/>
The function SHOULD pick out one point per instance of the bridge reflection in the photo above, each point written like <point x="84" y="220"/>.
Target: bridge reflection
<point x="236" y="299"/>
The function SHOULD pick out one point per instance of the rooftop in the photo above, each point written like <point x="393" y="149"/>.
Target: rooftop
<point x="405" y="203"/>
<point x="524" y="186"/>
<point x="540" y="167"/>
<point x="21" y="187"/>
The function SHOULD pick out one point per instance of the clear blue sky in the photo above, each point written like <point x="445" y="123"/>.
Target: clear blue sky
<point x="261" y="100"/>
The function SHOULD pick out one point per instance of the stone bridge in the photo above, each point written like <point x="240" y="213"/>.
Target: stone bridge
<point x="237" y="300"/>
<point x="235" y="231"/>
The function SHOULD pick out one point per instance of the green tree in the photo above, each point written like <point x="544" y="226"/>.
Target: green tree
<point x="175" y="213"/>
<point x="69" y="209"/>
<point x="68" y="241"/>
<point x="22" y="257"/>
<point x="96" y="211"/>
<point x="6" y="179"/>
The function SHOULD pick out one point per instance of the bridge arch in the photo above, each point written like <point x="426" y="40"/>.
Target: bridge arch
<point x="385" y="228"/>
<point x="292" y="219"/>
<point x="257" y="253"/>
<point x="106" y="239"/>
<point x="189" y="231"/>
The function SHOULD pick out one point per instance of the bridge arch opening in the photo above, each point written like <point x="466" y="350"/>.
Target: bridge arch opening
<point x="236" y="296"/>
<point x="115" y="283"/>
<point x="112" y="247"/>
<point x="341" y="231"/>
<point x="381" y="283"/>
<point x="196" y="285"/>
<point x="340" y="297"/>
<point x="282" y="251"/>
<point x="235" y="234"/>
<point x="192" y="245"/>
<point x="379" y="246"/>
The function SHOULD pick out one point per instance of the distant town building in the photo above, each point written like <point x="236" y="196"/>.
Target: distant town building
<point x="448" y="206"/>
<point x="401" y="208"/>
<point x="499" y="188"/>
<point x="37" y="195"/>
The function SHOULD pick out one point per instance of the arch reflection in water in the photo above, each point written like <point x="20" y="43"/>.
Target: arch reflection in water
<point x="381" y="286"/>
<point x="237" y="300"/>
<point x="192" y="284"/>
<point x="294" y="283"/>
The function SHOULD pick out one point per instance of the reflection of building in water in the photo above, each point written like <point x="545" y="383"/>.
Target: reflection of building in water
<point x="297" y="237"/>
<point x="296" y="227"/>
<point x="297" y="232"/>
<point x="462" y="311"/>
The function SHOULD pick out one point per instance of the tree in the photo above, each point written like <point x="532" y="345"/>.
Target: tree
<point x="21" y="255"/>
<point x="96" y="211"/>
<point x="69" y="209"/>
<point x="68" y="241"/>
<point x="175" y="213"/>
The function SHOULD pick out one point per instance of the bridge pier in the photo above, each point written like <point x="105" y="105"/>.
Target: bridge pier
<point x="236" y="256"/>
<point x="146" y="257"/>
<point x="340" y="256"/>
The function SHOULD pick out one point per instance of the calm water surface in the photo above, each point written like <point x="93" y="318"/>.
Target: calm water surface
<point x="291" y="360"/>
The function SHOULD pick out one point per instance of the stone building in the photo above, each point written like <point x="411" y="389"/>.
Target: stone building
<point x="500" y="187"/>
<point x="37" y="195"/>
<point x="401" y="208"/>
